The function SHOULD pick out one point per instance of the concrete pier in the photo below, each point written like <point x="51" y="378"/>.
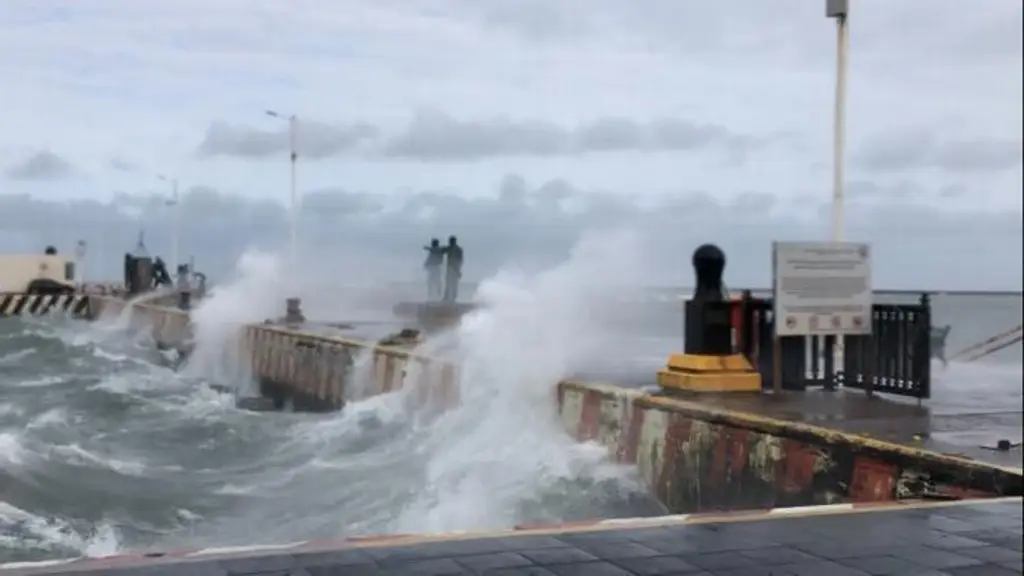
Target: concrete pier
<point x="697" y="453"/>
<point x="783" y="484"/>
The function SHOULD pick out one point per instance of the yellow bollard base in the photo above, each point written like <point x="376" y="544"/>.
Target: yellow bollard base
<point x="699" y="373"/>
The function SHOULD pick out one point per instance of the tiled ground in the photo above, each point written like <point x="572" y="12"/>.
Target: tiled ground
<point x="960" y="539"/>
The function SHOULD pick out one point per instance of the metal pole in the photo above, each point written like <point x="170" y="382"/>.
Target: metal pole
<point x="839" y="129"/>
<point x="175" y="227"/>
<point x="80" y="252"/>
<point x="839" y="9"/>
<point x="292" y="130"/>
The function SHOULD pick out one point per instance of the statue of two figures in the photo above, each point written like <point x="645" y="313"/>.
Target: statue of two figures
<point x="446" y="260"/>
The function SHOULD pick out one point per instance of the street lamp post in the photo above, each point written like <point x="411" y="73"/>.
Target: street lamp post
<point x="293" y="305"/>
<point x="839" y="10"/>
<point x="294" y="196"/>
<point x="174" y="204"/>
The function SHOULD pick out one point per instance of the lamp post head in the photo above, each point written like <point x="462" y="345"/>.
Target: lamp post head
<point x="837" y="8"/>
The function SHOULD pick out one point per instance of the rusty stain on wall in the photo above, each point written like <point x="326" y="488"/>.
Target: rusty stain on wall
<point x="695" y="459"/>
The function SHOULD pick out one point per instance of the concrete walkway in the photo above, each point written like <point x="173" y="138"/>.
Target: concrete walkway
<point x="953" y="539"/>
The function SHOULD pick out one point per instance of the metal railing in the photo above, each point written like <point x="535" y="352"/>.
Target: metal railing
<point x="894" y="359"/>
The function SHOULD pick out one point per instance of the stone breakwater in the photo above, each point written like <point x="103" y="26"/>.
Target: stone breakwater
<point x="694" y="456"/>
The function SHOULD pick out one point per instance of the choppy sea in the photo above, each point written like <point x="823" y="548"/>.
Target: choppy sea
<point x="104" y="447"/>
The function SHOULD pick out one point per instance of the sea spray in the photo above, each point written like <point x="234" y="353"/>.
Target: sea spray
<point x="503" y="443"/>
<point x="121" y="321"/>
<point x="256" y="293"/>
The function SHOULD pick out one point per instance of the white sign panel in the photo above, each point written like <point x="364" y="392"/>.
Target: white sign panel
<point x="822" y="288"/>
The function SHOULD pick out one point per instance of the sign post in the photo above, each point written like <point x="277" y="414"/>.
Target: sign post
<point x="820" y="289"/>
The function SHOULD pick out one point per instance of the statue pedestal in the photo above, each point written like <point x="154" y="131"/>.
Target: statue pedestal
<point x="432" y="316"/>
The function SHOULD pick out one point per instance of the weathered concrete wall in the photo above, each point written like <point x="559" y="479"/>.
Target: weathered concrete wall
<point x="170" y="325"/>
<point x="306" y="371"/>
<point x="696" y="457"/>
<point x="320" y="372"/>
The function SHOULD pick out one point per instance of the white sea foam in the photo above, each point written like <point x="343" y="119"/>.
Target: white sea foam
<point x="12" y="358"/>
<point x="257" y="293"/>
<point x="54" y="533"/>
<point x="505" y="442"/>
<point x="12" y="452"/>
<point x="76" y="454"/>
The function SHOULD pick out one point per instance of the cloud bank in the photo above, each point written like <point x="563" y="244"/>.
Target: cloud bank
<point x="434" y="136"/>
<point x="518" y="125"/>
<point x="531" y="225"/>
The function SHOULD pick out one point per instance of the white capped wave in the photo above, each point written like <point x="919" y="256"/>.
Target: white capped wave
<point x="23" y="529"/>
<point x="76" y="454"/>
<point x="40" y="382"/>
<point x="50" y="418"/>
<point x="257" y="293"/>
<point x="16" y="356"/>
<point x="12" y="451"/>
<point x="504" y="443"/>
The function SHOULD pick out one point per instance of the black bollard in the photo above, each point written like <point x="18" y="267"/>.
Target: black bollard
<point x="709" y="363"/>
<point x="708" y="329"/>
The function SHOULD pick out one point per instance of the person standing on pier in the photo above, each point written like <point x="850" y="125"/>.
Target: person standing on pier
<point x="435" y="257"/>
<point x="454" y="271"/>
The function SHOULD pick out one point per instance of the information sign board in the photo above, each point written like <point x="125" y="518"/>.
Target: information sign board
<point x="822" y="288"/>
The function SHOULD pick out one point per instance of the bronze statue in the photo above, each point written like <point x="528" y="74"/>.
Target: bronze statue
<point x="454" y="271"/>
<point x="435" y="257"/>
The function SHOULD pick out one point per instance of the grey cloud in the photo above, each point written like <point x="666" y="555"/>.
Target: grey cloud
<point x="895" y="31"/>
<point x="122" y="165"/>
<point x="337" y="203"/>
<point x="528" y="224"/>
<point x="538" y="20"/>
<point x="434" y="136"/>
<point x="919" y="149"/>
<point x="313" y="140"/>
<point x="43" y="165"/>
<point x="902" y="191"/>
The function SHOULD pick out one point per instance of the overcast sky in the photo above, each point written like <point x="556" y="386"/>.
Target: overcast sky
<point x="518" y="125"/>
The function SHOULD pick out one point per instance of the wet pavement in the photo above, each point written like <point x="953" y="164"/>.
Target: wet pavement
<point x="897" y="420"/>
<point x="960" y="430"/>
<point x="952" y="539"/>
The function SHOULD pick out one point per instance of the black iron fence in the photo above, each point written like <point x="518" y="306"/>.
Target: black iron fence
<point x="894" y="359"/>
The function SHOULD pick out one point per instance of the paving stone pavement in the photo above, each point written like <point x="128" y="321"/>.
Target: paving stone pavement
<point x="975" y="539"/>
